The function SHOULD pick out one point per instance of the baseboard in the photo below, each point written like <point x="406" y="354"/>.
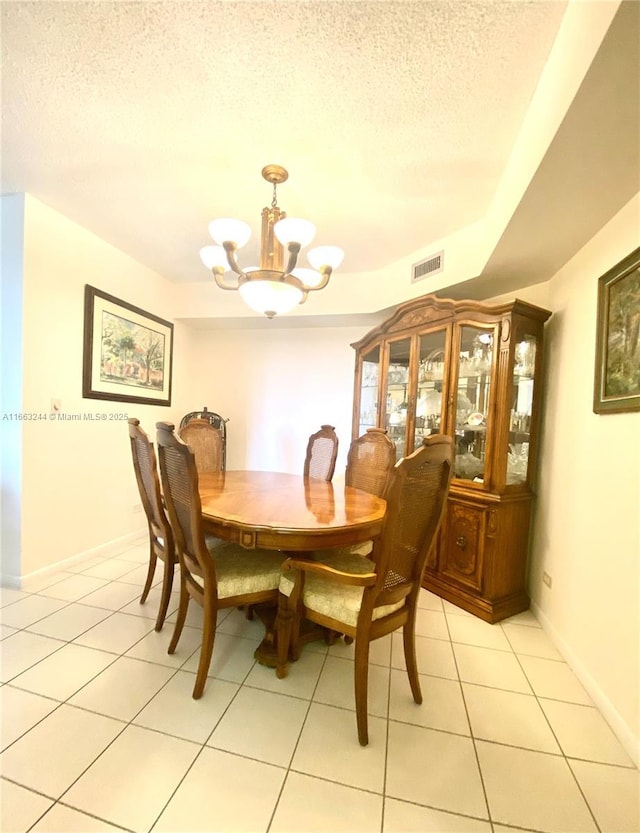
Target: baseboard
<point x="624" y="733"/>
<point x="106" y="550"/>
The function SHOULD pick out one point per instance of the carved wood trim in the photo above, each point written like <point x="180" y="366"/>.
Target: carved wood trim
<point x="431" y="308"/>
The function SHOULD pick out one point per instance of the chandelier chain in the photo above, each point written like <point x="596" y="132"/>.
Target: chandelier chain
<point x="274" y="200"/>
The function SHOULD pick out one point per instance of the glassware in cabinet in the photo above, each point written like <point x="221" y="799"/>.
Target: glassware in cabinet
<point x="521" y="413"/>
<point x="397" y="401"/>
<point x="369" y="391"/>
<point x="471" y="401"/>
<point x="431" y="385"/>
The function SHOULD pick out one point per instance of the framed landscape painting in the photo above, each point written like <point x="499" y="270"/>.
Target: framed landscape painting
<point x="128" y="352"/>
<point x="617" y="374"/>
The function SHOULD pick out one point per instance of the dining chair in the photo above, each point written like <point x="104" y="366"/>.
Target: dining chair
<point x="213" y="418"/>
<point x="370" y="460"/>
<point x="207" y="444"/>
<point x="322" y="450"/>
<point x="367" y="598"/>
<point x="161" y="541"/>
<point x="225" y="576"/>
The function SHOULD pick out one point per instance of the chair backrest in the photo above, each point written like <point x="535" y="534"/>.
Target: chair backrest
<point x="322" y="450"/>
<point x="180" y="487"/>
<point x="369" y="462"/>
<point x="213" y="418"/>
<point x="206" y="442"/>
<point x="416" y="502"/>
<point x="146" y="469"/>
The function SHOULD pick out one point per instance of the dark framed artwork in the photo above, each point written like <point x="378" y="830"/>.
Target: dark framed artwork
<point x="617" y="374"/>
<point x="128" y="352"/>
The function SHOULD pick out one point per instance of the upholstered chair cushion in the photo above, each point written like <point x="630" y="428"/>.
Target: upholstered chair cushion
<point x="212" y="542"/>
<point x="339" y="601"/>
<point x="363" y="549"/>
<point x="240" y="571"/>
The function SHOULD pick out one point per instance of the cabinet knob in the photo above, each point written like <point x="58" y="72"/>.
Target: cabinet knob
<point x="461" y="541"/>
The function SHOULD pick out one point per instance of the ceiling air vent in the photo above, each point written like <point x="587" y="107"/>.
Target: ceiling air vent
<point x="431" y="266"/>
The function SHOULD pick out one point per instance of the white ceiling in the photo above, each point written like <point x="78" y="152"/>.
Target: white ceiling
<point x="143" y="121"/>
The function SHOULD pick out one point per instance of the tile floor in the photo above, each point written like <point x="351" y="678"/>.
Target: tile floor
<point x="100" y="733"/>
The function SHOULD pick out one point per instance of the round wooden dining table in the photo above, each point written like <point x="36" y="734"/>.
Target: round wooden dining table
<point x="274" y="510"/>
<point x="286" y="512"/>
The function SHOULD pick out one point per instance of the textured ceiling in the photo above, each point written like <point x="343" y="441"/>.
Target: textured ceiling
<point x="143" y="121"/>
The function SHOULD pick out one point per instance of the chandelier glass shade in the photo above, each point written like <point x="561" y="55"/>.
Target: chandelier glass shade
<point x="272" y="288"/>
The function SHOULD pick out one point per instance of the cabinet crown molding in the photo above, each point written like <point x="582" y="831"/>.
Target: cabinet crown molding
<point x="429" y="309"/>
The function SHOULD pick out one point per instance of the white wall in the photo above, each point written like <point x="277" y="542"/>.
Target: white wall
<point x="587" y="524"/>
<point x="12" y="208"/>
<point x="78" y="486"/>
<point x="277" y="387"/>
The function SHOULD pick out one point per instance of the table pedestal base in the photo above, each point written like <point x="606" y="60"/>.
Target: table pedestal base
<point x="267" y="651"/>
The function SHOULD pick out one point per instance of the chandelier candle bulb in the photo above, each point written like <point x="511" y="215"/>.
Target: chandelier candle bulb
<point x="269" y="289"/>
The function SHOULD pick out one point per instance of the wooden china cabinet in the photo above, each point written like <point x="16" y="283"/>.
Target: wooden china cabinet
<point x="471" y="371"/>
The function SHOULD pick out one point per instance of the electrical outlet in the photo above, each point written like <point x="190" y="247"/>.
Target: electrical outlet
<point x="546" y="578"/>
<point x="137" y="508"/>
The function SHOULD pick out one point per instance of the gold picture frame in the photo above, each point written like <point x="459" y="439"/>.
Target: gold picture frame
<point x="128" y="352"/>
<point x="617" y="367"/>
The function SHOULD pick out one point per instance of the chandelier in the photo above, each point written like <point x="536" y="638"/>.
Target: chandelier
<point x="270" y="288"/>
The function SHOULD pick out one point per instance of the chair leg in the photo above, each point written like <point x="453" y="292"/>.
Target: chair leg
<point x="361" y="686"/>
<point x="206" y="651"/>
<point x="182" y="615"/>
<point x="167" y="585"/>
<point x="408" y="635"/>
<point x="153" y="558"/>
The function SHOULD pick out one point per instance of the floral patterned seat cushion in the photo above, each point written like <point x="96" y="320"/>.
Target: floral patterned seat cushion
<point x="329" y="598"/>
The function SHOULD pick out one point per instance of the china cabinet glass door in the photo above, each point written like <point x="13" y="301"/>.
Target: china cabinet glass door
<point x="398" y="394"/>
<point x="429" y="394"/>
<point x="521" y="409"/>
<point x="369" y="389"/>
<point x="471" y="401"/>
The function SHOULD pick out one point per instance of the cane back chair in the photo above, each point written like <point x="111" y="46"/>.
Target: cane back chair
<point x="367" y="598"/>
<point x="161" y="542"/>
<point x="369" y="462"/>
<point x="206" y="443"/>
<point x="322" y="450"/>
<point x="214" y="419"/>
<point x="226" y="576"/>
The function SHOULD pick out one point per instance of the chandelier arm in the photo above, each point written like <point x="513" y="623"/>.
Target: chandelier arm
<point x="217" y="276"/>
<point x="230" y="248"/>
<point x="294" y="251"/>
<point x="326" y="272"/>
